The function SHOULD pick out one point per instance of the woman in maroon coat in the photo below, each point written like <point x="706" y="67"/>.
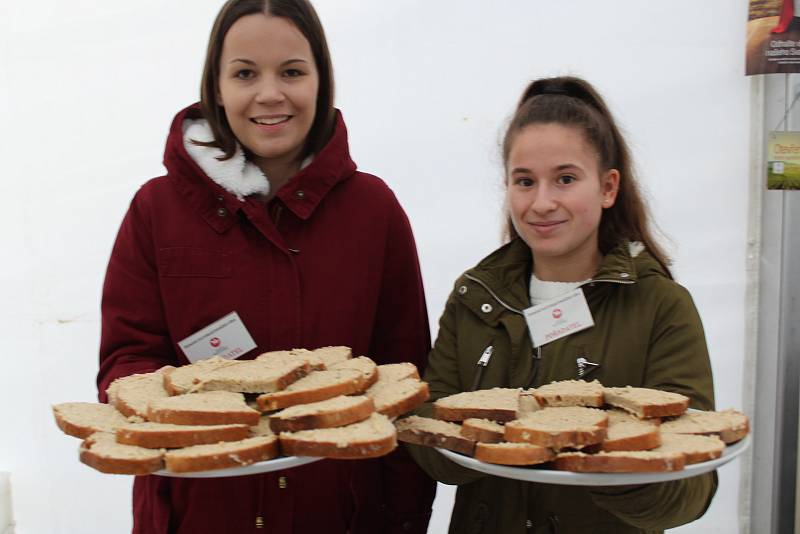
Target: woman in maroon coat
<point x="263" y="213"/>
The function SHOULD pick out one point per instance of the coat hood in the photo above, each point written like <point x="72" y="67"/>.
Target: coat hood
<point x="237" y="178"/>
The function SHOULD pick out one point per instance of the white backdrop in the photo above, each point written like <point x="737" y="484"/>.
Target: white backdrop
<point x="89" y="88"/>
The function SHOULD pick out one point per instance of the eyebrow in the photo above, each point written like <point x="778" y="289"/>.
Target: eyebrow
<point x="251" y="62"/>
<point x="561" y="167"/>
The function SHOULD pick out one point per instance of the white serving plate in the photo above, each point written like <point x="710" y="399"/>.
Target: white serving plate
<point x="569" y="478"/>
<point x="276" y="464"/>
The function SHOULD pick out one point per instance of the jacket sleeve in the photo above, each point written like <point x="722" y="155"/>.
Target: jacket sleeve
<point x="401" y="333"/>
<point x="134" y="336"/>
<point x="677" y="361"/>
<point x="442" y="378"/>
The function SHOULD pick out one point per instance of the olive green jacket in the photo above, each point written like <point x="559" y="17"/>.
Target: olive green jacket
<point x="647" y="333"/>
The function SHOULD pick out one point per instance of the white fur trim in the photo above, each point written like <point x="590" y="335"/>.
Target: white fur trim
<point x="236" y="175"/>
<point x="635" y="248"/>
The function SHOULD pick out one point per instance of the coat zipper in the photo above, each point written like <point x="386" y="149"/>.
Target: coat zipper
<point x="482" y="363"/>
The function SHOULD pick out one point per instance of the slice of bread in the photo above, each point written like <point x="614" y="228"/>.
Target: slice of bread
<point x="332" y="355"/>
<point x="620" y="462"/>
<point x="179" y="380"/>
<point x="82" y="419"/>
<point x="434" y="433"/>
<point x="397" y="371"/>
<point x="338" y="411"/>
<point x="253" y="376"/>
<point x="394" y="399"/>
<point x="730" y="425"/>
<point x="513" y="453"/>
<point x="645" y="402"/>
<point x="626" y="432"/>
<point x="102" y="452"/>
<point x="317" y="386"/>
<point x="570" y="393"/>
<point x="373" y="437"/>
<point x="558" y="428"/>
<point x="288" y="356"/>
<point x="527" y="403"/>
<point x="367" y="368"/>
<point x="167" y="436"/>
<point x="696" y="448"/>
<point x="222" y="455"/>
<point x="483" y="430"/>
<point x="497" y="404"/>
<point x="132" y="394"/>
<point x="207" y="408"/>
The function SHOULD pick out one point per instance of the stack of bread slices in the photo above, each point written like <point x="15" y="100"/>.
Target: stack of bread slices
<point x="577" y="426"/>
<point x="217" y="413"/>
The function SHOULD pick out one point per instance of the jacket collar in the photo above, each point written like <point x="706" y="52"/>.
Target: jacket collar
<point x="506" y="272"/>
<point x="301" y="194"/>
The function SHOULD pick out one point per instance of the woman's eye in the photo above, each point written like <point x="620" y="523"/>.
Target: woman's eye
<point x="566" y="179"/>
<point x="524" y="182"/>
<point x="292" y="73"/>
<point x="244" y="74"/>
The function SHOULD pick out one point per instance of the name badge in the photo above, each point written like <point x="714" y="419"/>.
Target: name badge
<point x="226" y="337"/>
<point x="558" y="318"/>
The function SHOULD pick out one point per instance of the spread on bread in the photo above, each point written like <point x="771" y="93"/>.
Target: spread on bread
<point x="198" y="417"/>
<point x="577" y="426"/>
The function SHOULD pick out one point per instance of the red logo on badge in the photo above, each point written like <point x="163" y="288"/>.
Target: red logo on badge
<point x="556" y="313"/>
<point x="215" y="342"/>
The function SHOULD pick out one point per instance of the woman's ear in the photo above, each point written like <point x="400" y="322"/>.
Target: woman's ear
<point x="610" y="187"/>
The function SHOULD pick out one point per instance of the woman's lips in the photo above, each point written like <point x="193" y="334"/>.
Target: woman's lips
<point x="546" y="227"/>
<point x="271" y="124"/>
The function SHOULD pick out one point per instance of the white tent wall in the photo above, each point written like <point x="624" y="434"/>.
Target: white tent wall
<point x="88" y="89"/>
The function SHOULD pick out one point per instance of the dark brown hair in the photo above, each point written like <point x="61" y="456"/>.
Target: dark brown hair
<point x="574" y="102"/>
<point x="300" y="13"/>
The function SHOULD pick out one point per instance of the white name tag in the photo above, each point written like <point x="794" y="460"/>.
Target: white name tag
<point x="558" y="318"/>
<point x="226" y="337"/>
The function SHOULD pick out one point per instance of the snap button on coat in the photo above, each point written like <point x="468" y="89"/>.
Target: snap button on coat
<point x="222" y="212"/>
<point x="462" y="290"/>
<point x="300" y="194"/>
<point x="486" y="308"/>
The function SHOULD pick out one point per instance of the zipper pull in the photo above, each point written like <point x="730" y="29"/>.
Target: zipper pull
<point x="486" y="356"/>
<point x="483" y="361"/>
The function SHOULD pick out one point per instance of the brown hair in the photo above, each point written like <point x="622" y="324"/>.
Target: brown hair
<point x="574" y="102"/>
<point x="300" y="13"/>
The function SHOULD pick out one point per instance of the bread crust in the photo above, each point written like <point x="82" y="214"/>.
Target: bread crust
<point x="554" y="440"/>
<point x="76" y="429"/>
<point x="176" y="438"/>
<point x="471" y="430"/>
<point x="433" y="439"/>
<point x="491" y="453"/>
<point x="642" y="442"/>
<point x="118" y="466"/>
<point x="604" y="463"/>
<point x="352" y="451"/>
<point x="447" y="413"/>
<point x="200" y="417"/>
<point x="283" y="399"/>
<point x="326" y="419"/>
<point x="407" y="404"/>
<point x="257" y="452"/>
<point x="646" y="410"/>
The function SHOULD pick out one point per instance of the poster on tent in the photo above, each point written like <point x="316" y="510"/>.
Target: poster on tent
<point x="773" y="37"/>
<point x="783" y="160"/>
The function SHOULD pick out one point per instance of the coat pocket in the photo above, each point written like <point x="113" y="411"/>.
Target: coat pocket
<point x="194" y="262"/>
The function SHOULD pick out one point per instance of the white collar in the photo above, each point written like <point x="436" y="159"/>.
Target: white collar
<point x="236" y="175"/>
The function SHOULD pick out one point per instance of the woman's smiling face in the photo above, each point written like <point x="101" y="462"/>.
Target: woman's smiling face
<point x="556" y="194"/>
<point x="268" y="84"/>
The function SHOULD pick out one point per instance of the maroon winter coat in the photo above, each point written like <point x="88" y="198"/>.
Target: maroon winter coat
<point x="330" y="260"/>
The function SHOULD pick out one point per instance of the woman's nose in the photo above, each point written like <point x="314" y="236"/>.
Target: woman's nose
<point x="269" y="91"/>
<point x="544" y="200"/>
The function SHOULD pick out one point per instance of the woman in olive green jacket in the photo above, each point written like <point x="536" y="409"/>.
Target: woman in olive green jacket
<point x="575" y="220"/>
